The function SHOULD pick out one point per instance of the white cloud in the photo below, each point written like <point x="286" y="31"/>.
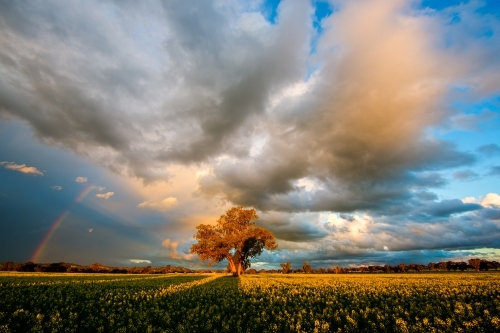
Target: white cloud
<point x="172" y="250"/>
<point x="308" y="184"/>
<point x="99" y="188"/>
<point x="162" y="205"/>
<point x="491" y="200"/>
<point x="106" y="195"/>
<point x="57" y="187"/>
<point x="138" y="261"/>
<point x="469" y="200"/>
<point x="81" y="180"/>
<point x="21" y="168"/>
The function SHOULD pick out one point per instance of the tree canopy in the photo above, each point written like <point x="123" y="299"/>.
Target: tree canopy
<point x="234" y="238"/>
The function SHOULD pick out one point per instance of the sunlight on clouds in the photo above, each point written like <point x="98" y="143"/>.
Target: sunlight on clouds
<point x="21" y="168"/>
<point x="294" y="90"/>
<point x="308" y="184"/>
<point x="469" y="200"/>
<point x="199" y="174"/>
<point x="352" y="224"/>
<point x="172" y="250"/>
<point x="190" y="209"/>
<point x="257" y="145"/>
<point x="490" y="200"/>
<point x="105" y="196"/>
<point x="81" y="180"/>
<point x="165" y="204"/>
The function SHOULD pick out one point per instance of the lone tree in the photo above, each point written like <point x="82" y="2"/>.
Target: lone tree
<point x="306" y="267"/>
<point x="286" y="267"/>
<point x="475" y="263"/>
<point x="234" y="238"/>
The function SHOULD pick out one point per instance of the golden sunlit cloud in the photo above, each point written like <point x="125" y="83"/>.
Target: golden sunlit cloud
<point x="21" y="168"/>
<point x="490" y="200"/>
<point x="105" y="196"/>
<point x="162" y="205"/>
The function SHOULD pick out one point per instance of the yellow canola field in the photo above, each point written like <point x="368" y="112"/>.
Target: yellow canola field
<point x="422" y="302"/>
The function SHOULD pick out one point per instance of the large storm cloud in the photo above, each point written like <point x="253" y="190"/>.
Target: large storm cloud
<point x="293" y="120"/>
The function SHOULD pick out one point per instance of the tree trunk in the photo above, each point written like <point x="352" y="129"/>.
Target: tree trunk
<point x="236" y="267"/>
<point x="233" y="266"/>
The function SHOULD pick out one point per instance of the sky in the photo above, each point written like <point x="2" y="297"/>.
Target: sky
<point x="363" y="132"/>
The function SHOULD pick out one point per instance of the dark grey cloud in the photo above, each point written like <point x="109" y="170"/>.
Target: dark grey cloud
<point x="448" y="207"/>
<point x="135" y="88"/>
<point x="298" y="228"/>
<point x="450" y="230"/>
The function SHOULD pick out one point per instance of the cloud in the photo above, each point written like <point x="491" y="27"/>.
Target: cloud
<point x="469" y="200"/>
<point x="81" y="180"/>
<point x="494" y="171"/>
<point x="22" y="168"/>
<point x="176" y="250"/>
<point x="165" y="204"/>
<point x="489" y="150"/>
<point x="448" y="207"/>
<point x="105" y="196"/>
<point x="57" y="187"/>
<point x="382" y="79"/>
<point x="363" y="137"/>
<point x="465" y="175"/>
<point x="471" y="122"/>
<point x="340" y="147"/>
<point x="140" y="261"/>
<point x="90" y="230"/>
<point x="387" y="238"/>
<point x="491" y="200"/>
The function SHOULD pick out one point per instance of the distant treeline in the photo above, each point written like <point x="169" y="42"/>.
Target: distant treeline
<point x="62" y="267"/>
<point x="472" y="264"/>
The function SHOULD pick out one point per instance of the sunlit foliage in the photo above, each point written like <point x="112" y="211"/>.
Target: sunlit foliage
<point x="234" y="238"/>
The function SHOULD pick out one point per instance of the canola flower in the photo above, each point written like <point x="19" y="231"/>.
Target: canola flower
<point x="451" y="302"/>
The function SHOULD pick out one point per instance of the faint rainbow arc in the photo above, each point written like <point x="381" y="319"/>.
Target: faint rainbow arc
<point x="57" y="223"/>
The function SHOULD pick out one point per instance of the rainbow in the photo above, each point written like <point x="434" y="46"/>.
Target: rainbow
<point x="57" y="223"/>
<point x="83" y="194"/>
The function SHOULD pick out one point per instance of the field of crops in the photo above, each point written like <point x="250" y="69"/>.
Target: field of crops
<point x="448" y="302"/>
